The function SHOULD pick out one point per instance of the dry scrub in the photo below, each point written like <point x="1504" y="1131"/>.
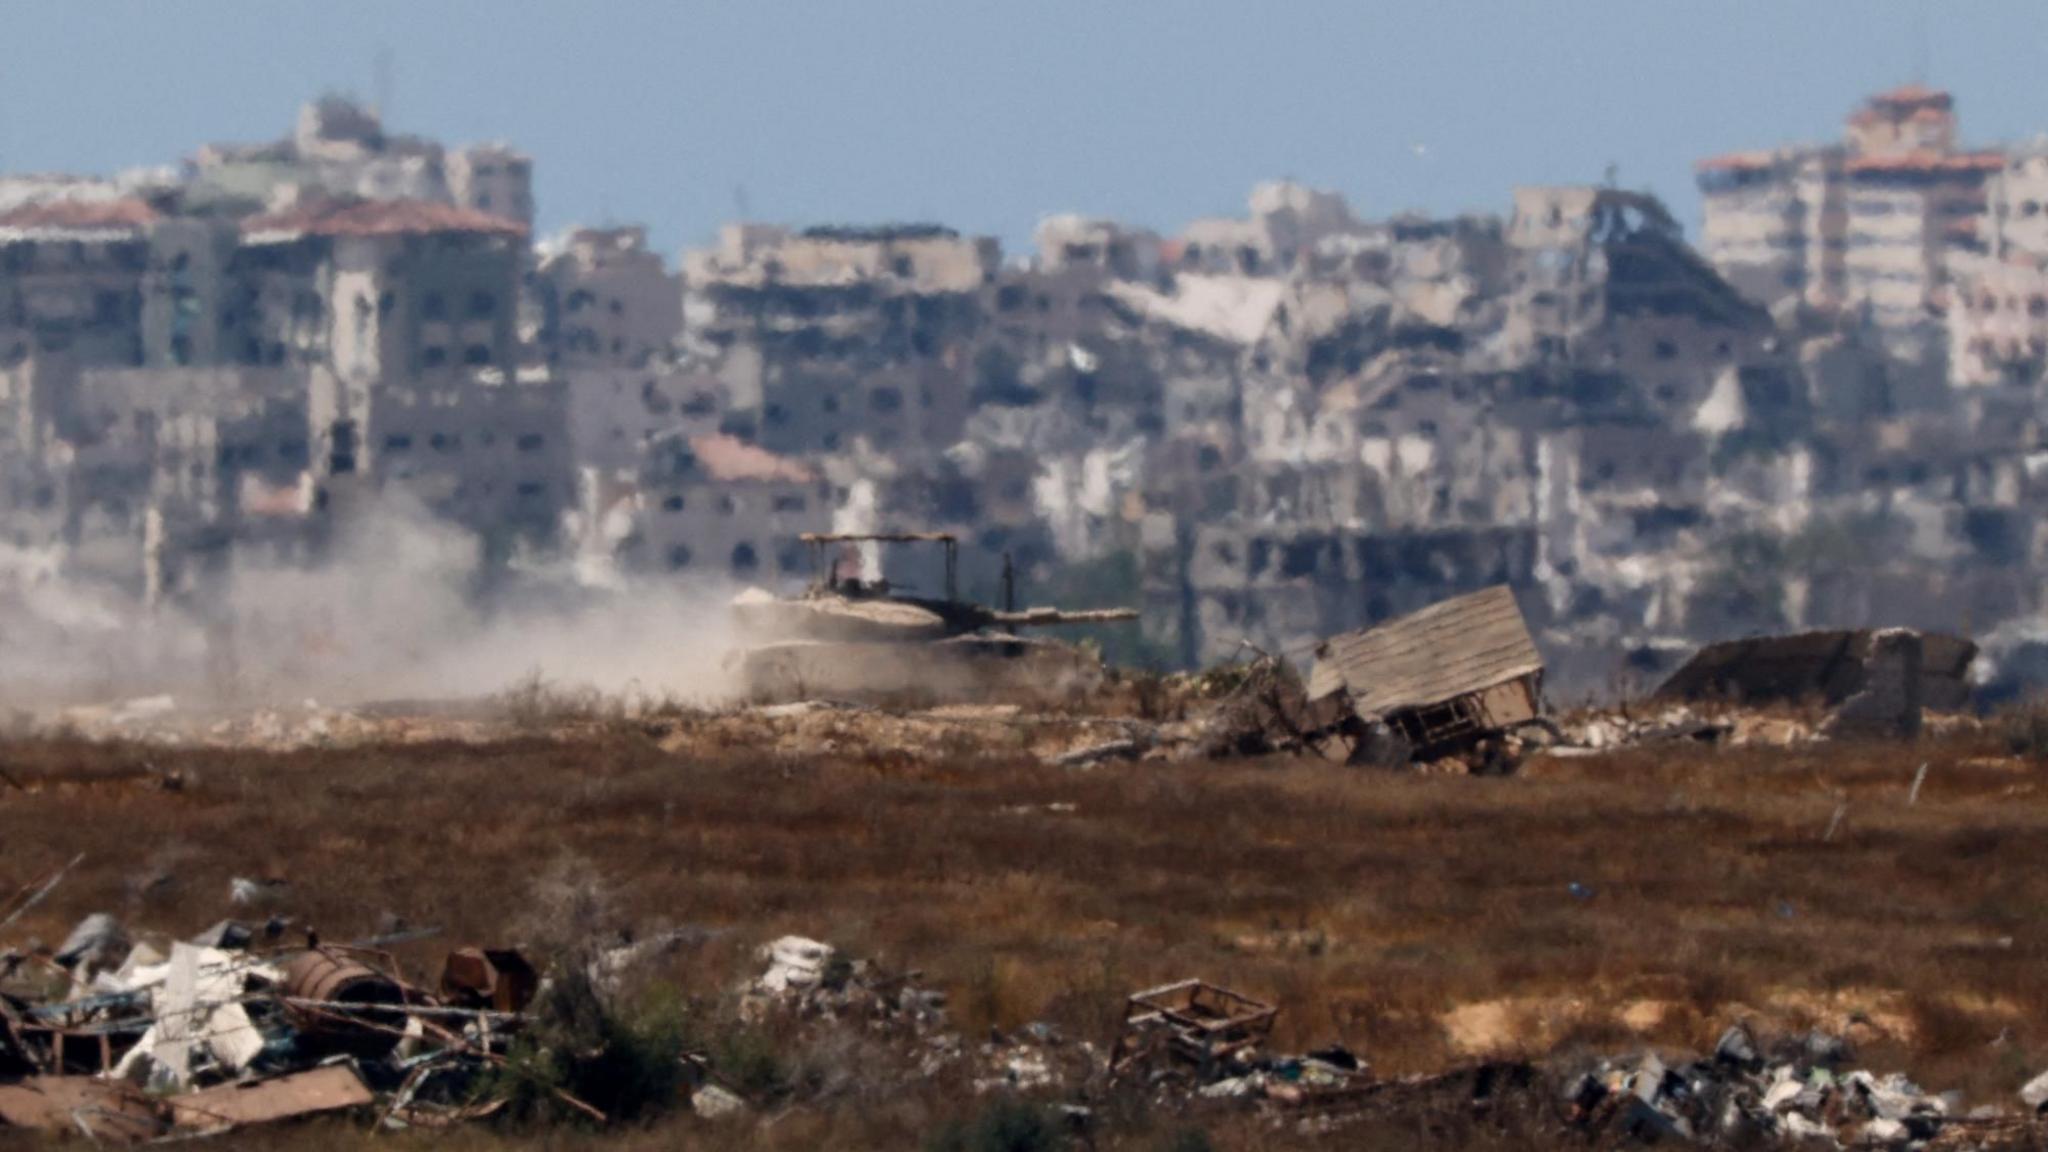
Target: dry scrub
<point x="1645" y="896"/>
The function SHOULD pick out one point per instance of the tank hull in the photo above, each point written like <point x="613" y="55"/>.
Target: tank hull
<point x="962" y="669"/>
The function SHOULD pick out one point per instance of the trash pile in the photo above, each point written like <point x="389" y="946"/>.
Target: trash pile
<point x="1800" y="1091"/>
<point x="816" y="984"/>
<point x="1207" y="1045"/>
<point x="814" y="980"/>
<point x="126" y="1041"/>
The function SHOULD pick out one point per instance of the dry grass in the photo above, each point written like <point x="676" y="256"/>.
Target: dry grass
<point x="1404" y="916"/>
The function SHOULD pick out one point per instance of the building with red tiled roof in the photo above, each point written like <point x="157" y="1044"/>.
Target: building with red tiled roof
<point x="1870" y="223"/>
<point x="78" y="220"/>
<point x="376" y="218"/>
<point x="72" y="279"/>
<point x="712" y="503"/>
<point x="1913" y="96"/>
<point x="390" y="306"/>
<point x="1925" y="162"/>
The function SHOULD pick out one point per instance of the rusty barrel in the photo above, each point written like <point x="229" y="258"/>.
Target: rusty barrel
<point x="371" y="1023"/>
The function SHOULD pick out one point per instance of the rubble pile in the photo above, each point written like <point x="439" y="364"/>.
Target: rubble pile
<point x="816" y="985"/>
<point x="1798" y="1092"/>
<point x="125" y="1040"/>
<point x="310" y="724"/>
<point x="1608" y="729"/>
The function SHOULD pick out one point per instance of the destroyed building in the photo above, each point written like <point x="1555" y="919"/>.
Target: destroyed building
<point x="831" y="336"/>
<point x="1270" y="428"/>
<point x="607" y="300"/>
<point x="713" y="505"/>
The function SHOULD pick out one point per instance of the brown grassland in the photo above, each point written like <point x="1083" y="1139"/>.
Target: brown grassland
<point x="1602" y="903"/>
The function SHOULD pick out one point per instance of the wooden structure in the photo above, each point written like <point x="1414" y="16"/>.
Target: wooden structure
<point x="1441" y="677"/>
<point x="1198" y="1026"/>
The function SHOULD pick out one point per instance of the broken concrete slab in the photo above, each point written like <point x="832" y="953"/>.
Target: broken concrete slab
<point x="1901" y="669"/>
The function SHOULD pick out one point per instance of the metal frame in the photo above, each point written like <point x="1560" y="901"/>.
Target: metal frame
<point x="1193" y="1021"/>
<point x="819" y="540"/>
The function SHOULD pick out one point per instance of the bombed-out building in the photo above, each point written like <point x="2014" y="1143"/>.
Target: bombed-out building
<point x="607" y="300"/>
<point x="716" y="507"/>
<point x="835" y="335"/>
<point x="1269" y="428"/>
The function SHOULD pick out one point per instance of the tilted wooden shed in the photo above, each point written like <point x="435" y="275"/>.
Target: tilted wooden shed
<point x="1452" y="672"/>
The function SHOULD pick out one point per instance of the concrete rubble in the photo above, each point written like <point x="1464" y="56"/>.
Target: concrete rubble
<point x="1873" y="682"/>
<point x="1796" y="1091"/>
<point x="127" y="1041"/>
<point x="194" y="1040"/>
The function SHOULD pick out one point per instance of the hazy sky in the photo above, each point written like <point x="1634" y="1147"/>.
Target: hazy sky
<point x="986" y="116"/>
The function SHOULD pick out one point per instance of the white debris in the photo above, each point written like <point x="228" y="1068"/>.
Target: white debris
<point x="1799" y="1127"/>
<point x="199" y="1017"/>
<point x="2035" y="1094"/>
<point x="794" y="962"/>
<point x="713" y="1102"/>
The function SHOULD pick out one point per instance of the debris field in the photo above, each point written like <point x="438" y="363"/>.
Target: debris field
<point x="928" y="910"/>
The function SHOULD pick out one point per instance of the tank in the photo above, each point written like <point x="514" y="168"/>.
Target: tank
<point x="845" y="638"/>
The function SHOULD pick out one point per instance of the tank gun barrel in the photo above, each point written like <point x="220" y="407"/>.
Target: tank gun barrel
<point x="1038" y="617"/>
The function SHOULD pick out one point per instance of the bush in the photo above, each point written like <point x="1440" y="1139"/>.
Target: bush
<point x="585" y="1040"/>
<point x="630" y="1069"/>
<point x="1005" y="1124"/>
<point x="748" y="1060"/>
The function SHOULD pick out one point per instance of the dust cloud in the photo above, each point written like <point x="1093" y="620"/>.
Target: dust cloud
<point x="395" y="611"/>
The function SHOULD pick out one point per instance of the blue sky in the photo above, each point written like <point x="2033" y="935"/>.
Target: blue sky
<point x="986" y="116"/>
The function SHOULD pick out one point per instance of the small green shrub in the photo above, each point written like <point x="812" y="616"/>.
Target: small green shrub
<point x="1005" y="1124"/>
<point x="626" y="1064"/>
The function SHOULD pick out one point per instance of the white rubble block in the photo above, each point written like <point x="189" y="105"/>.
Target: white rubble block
<point x="794" y="962"/>
<point x="713" y="1103"/>
<point x="2035" y="1094"/>
<point x="1780" y="1095"/>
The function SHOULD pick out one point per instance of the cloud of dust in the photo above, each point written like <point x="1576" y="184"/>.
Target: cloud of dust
<point x="392" y="614"/>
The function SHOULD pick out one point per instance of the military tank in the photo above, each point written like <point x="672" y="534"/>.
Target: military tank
<point x="846" y="638"/>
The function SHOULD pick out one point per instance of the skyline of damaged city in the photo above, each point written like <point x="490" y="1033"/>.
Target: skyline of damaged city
<point x="1077" y="108"/>
<point x="1264" y="428"/>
